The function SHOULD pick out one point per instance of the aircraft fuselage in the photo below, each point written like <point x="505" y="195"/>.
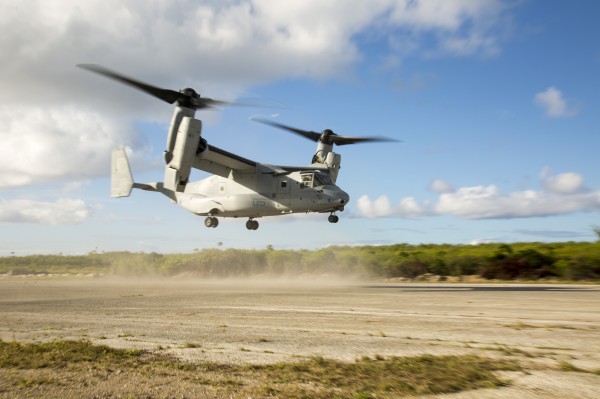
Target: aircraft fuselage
<point x="263" y="195"/>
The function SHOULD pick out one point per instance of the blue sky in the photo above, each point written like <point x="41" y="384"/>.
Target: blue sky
<point x="495" y="102"/>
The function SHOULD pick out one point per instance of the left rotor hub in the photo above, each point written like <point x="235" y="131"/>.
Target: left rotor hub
<point x="189" y="98"/>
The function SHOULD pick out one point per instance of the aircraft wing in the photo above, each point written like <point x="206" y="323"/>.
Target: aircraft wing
<point x="284" y="170"/>
<point x="222" y="163"/>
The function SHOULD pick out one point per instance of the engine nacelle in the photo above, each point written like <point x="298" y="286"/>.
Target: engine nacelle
<point x="187" y="142"/>
<point x="327" y="157"/>
<point x="322" y="150"/>
<point x="333" y="162"/>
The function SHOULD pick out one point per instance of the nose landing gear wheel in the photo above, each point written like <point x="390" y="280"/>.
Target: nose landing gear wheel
<point x="333" y="218"/>
<point x="252" y="224"/>
<point x="211" y="221"/>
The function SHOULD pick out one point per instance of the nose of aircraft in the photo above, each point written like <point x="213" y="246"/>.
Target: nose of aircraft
<point x="333" y="195"/>
<point x="343" y="197"/>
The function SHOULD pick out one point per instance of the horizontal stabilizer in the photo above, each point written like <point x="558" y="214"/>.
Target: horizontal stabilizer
<point x="121" y="180"/>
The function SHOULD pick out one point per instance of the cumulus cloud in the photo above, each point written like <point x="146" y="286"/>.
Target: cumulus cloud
<point x="380" y="207"/>
<point x="62" y="211"/>
<point x="236" y="43"/>
<point x="460" y="27"/>
<point x="562" y="183"/>
<point x="561" y="194"/>
<point x="479" y="241"/>
<point x="42" y="143"/>
<point x="486" y="202"/>
<point x="553" y="103"/>
<point x="440" y="186"/>
<point x="57" y="121"/>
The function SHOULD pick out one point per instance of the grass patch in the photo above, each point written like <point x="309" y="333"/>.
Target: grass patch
<point x="509" y="351"/>
<point x="47" y="366"/>
<point x="566" y="366"/>
<point x="380" y="377"/>
<point x="521" y="326"/>
<point x="525" y="326"/>
<point x="57" y="354"/>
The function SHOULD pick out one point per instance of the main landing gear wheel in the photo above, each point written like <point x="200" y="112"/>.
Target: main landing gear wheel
<point x="252" y="224"/>
<point x="333" y="218"/>
<point x="211" y="221"/>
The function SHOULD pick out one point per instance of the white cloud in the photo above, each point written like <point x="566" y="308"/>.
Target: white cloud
<point x="460" y="27"/>
<point x="554" y="105"/>
<point x="479" y="241"/>
<point x="42" y="143"/>
<point x="75" y="186"/>
<point x="57" y="121"/>
<point x="62" y="211"/>
<point x="563" y="183"/>
<point x="381" y="207"/>
<point x="440" y="186"/>
<point x="234" y="43"/>
<point x="486" y="202"/>
<point x="563" y="193"/>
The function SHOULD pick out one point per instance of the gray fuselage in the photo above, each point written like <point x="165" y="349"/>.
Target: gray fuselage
<point x="254" y="195"/>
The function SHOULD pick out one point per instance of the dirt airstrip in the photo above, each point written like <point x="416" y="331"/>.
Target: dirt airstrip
<point x="255" y="322"/>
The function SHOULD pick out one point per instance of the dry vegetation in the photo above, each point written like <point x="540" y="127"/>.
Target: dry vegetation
<point x="78" y="368"/>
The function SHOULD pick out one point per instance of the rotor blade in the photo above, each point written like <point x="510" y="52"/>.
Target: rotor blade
<point x="167" y="95"/>
<point x="314" y="136"/>
<point x="341" y="140"/>
<point x="205" y="102"/>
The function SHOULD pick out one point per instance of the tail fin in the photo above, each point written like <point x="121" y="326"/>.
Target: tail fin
<point x="121" y="180"/>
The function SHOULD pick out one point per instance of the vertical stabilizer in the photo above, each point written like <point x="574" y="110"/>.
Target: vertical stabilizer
<point x="121" y="180"/>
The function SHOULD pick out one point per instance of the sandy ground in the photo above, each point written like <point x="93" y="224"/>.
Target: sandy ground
<point x="281" y="320"/>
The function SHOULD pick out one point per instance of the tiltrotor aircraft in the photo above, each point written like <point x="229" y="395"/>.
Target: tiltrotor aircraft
<point x="239" y="187"/>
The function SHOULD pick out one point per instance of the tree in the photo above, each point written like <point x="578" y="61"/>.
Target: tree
<point x="597" y="231"/>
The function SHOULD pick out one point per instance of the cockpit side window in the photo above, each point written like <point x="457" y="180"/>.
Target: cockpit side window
<point x="307" y="180"/>
<point x="315" y="179"/>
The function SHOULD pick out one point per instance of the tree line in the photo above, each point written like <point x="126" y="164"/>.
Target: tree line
<point x="569" y="261"/>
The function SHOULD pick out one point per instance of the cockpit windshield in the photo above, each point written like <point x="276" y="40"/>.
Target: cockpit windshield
<point x="321" y="179"/>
